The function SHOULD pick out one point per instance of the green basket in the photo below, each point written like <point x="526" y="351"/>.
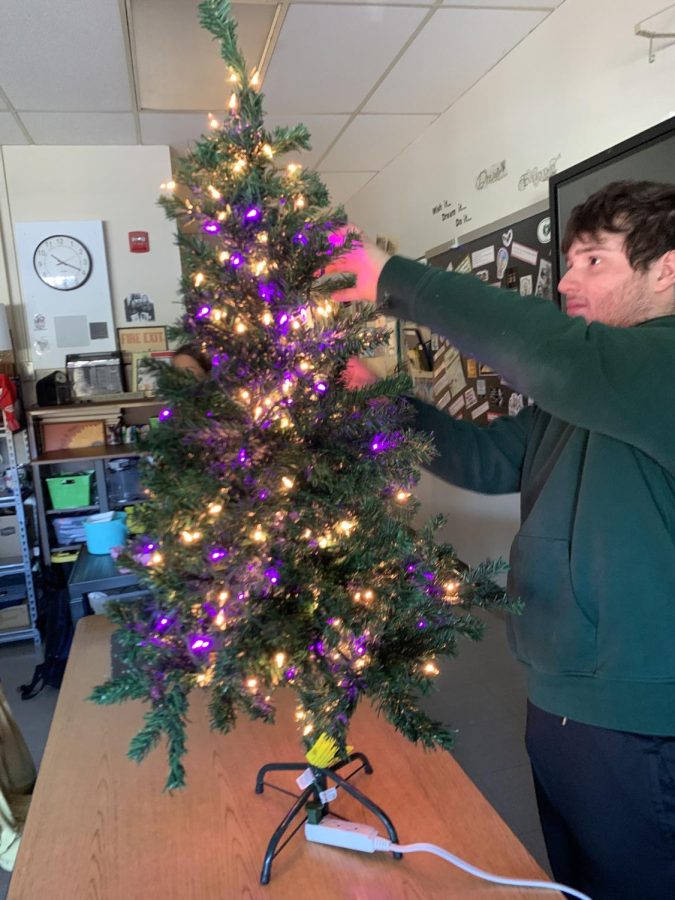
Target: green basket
<point x="67" y="491"/>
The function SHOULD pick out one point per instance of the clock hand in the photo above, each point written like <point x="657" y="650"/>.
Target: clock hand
<point x="62" y="262"/>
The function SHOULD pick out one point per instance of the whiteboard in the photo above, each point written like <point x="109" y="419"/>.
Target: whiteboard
<point x="62" y="322"/>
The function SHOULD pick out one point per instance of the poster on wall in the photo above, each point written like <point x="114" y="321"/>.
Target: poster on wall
<point x="517" y="258"/>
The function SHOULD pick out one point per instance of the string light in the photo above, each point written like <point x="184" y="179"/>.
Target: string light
<point x="240" y="328"/>
<point x="430" y="668"/>
<point x="280" y="659"/>
<point x="258" y="535"/>
<point x="252" y="684"/>
<point x="233" y="103"/>
<point x="213" y="122"/>
<point x="198" y="279"/>
<point x="268" y="151"/>
<point x="287" y="482"/>
<point x="292" y="168"/>
<point x="254" y="80"/>
<point x="214" y="193"/>
<point x="299" y="202"/>
<point x="403" y="496"/>
<point x="347" y="526"/>
<point x="215" y="508"/>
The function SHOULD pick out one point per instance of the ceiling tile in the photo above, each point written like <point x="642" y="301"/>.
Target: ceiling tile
<point x="507" y="4"/>
<point x="323" y="131"/>
<point x="178" y="63"/>
<point x="10" y="133"/>
<point x="72" y="128"/>
<point x="67" y="55"/>
<point x="370" y="142"/>
<point x="343" y="185"/>
<point x="179" y="130"/>
<point x="328" y="57"/>
<point x="454" y="50"/>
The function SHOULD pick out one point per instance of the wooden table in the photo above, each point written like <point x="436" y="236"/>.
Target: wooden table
<point x="100" y="827"/>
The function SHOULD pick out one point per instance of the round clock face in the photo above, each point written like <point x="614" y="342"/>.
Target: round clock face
<point x="62" y="262"/>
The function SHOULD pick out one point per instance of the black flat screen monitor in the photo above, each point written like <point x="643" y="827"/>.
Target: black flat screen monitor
<point x="649" y="156"/>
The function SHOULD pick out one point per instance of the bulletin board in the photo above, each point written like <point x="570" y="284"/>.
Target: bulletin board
<point x="516" y="257"/>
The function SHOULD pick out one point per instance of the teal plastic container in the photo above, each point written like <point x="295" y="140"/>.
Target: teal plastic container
<point x="102" y="536"/>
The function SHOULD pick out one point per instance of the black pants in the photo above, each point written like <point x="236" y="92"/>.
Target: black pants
<point x="607" y="807"/>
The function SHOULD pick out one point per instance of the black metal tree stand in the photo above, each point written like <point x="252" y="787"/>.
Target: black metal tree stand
<point x="310" y="800"/>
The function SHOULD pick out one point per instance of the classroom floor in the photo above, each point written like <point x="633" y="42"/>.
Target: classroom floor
<point x="480" y="693"/>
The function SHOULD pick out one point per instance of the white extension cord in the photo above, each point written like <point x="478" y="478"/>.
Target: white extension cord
<point x="355" y="836"/>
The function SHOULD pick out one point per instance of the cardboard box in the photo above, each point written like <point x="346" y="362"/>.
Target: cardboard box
<point x="14" y="617"/>
<point x="10" y="543"/>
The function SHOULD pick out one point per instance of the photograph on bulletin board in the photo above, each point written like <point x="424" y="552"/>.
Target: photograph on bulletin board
<point x="517" y="258"/>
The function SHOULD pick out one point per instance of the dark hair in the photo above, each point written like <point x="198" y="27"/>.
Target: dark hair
<point x="194" y="353"/>
<point x="643" y="211"/>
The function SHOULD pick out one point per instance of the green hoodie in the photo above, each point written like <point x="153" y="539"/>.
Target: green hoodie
<point x="594" y="461"/>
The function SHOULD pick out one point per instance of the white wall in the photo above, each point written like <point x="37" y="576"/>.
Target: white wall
<point x="118" y="185"/>
<point x="576" y="86"/>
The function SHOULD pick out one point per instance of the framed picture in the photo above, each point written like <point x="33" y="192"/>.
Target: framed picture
<point x="142" y="378"/>
<point x="141" y="340"/>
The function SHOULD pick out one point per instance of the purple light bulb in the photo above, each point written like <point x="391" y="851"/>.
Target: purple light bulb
<point x="165" y="414"/>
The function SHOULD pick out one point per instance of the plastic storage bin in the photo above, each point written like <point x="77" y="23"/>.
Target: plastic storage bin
<point x="124" y="483"/>
<point x="105" y="531"/>
<point x="67" y="491"/>
<point x="69" y="530"/>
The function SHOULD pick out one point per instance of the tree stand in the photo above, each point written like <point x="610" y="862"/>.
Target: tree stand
<point x="311" y="795"/>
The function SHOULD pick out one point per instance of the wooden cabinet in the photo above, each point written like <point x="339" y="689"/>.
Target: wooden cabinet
<point x="90" y="572"/>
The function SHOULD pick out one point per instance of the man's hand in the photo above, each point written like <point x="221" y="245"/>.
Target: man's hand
<point x="357" y="374"/>
<point x="366" y="263"/>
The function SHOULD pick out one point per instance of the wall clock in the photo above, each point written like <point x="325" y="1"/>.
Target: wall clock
<point x="62" y="262"/>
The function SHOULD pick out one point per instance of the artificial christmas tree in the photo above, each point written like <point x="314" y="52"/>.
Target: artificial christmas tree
<point x="280" y="544"/>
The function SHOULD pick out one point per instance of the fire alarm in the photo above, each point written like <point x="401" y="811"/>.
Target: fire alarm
<point x="139" y="242"/>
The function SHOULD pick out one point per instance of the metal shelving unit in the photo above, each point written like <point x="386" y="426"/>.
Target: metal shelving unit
<point x="20" y="565"/>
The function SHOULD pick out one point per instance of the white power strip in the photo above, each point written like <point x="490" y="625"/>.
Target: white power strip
<point x="341" y="833"/>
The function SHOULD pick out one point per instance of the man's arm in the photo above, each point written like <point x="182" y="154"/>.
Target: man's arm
<point x="612" y="380"/>
<point x="488" y="460"/>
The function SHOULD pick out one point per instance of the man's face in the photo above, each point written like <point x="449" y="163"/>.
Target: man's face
<point x="601" y="286"/>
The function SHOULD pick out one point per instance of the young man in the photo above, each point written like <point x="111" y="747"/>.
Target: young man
<point x="594" y="559"/>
